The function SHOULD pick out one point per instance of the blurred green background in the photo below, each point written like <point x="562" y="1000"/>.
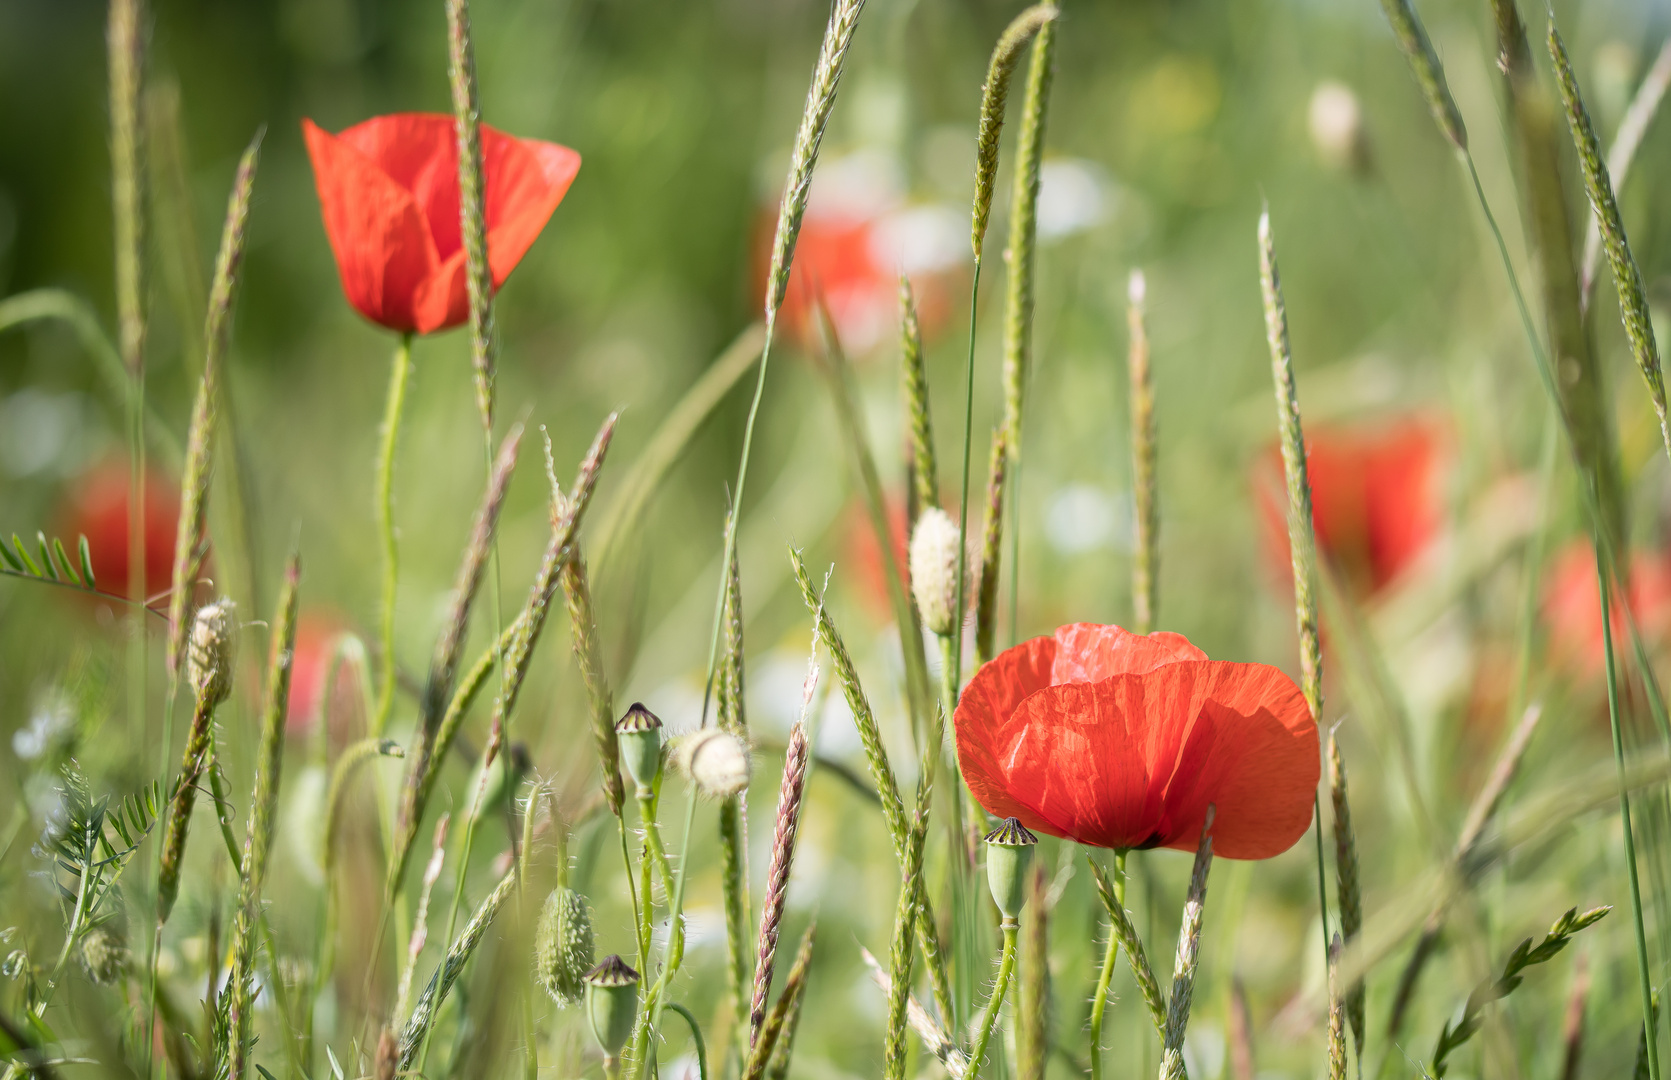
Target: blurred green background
<point x="1170" y="122"/>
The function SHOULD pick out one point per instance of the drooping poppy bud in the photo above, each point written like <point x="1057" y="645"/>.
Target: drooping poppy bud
<point x="640" y="734"/>
<point x="563" y="948"/>
<point x="389" y="191"/>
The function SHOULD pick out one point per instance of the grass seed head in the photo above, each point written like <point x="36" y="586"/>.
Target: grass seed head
<point x="210" y="654"/>
<point x="934" y="570"/>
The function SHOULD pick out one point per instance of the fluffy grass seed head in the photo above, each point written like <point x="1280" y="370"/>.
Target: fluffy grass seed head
<point x="716" y="761"/>
<point x="210" y="652"/>
<point x="934" y="570"/>
<point x="563" y="948"/>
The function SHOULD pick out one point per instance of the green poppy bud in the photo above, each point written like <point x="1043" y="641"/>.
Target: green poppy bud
<point x="612" y="1003"/>
<point x="563" y="949"/>
<point x="1009" y="851"/>
<point x="640" y="734"/>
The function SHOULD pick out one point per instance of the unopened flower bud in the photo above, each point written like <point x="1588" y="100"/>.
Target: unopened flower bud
<point x="104" y="954"/>
<point x="716" y="761"/>
<point x="210" y="652"/>
<point x="640" y="734"/>
<point x="1337" y="129"/>
<point x="563" y="949"/>
<point x="934" y="570"/>
<point x="612" y="1003"/>
<point x="1009" y="851"/>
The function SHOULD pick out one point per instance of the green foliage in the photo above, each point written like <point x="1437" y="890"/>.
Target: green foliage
<point x="1458" y="1032"/>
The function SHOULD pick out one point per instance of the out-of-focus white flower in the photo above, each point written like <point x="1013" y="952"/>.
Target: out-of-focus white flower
<point x="1335" y="120"/>
<point x="1083" y="517"/>
<point x="1073" y="197"/>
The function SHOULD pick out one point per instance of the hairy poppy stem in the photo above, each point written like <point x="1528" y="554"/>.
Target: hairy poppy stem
<point x="978" y="1051"/>
<point x="399" y="376"/>
<point x="1110" y="954"/>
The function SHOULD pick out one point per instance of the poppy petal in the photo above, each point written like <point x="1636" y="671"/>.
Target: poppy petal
<point x="1261" y="773"/>
<point x="1089" y="652"/>
<point x="1000" y="685"/>
<point x="526" y="179"/>
<point x="382" y="245"/>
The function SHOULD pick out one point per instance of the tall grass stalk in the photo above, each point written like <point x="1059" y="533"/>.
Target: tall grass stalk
<point x="1627" y="278"/>
<point x="1114" y="898"/>
<point x="1032" y="1012"/>
<point x="994" y="99"/>
<point x="902" y="953"/>
<point x="1145" y="563"/>
<point x="1604" y="584"/>
<point x="778" y="1032"/>
<point x="1644" y="106"/>
<point x="788" y="825"/>
<point x="992" y="542"/>
<point x="472" y="202"/>
<point x="1302" y="538"/>
<point x="258" y="838"/>
<point x="1349" y="887"/>
<point x="562" y="548"/>
<point x="1189" y="952"/>
<point x="417" y="1030"/>
<point x="1021" y="254"/>
<point x="797" y="188"/>
<point x="881" y="774"/>
<point x="191" y="536"/>
<point x="443" y="670"/>
<point x="125" y="44"/>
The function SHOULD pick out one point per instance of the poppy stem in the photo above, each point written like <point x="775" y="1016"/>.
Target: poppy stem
<point x="1005" y="966"/>
<point x="399" y="376"/>
<point x="1604" y="575"/>
<point x="1111" y="953"/>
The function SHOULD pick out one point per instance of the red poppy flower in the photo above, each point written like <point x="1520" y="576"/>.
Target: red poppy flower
<point x="389" y="191"/>
<point x="1376" y="501"/>
<point x="1572" y="606"/>
<point x="1122" y="741"/>
<point x="98" y="510"/>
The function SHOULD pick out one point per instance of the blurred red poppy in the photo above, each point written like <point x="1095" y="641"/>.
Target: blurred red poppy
<point x="1122" y="741"/>
<point x="857" y="238"/>
<point x="316" y="637"/>
<point x="98" y="509"/>
<point x="1376" y="499"/>
<point x="1572" y="606"/>
<point x="869" y="569"/>
<point x="389" y="191"/>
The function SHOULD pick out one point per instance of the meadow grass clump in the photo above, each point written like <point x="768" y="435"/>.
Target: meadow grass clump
<point x="984" y="796"/>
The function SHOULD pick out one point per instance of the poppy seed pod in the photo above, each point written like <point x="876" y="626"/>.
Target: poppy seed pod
<point x="612" y="1003"/>
<point x="716" y="761"/>
<point x="934" y="570"/>
<point x="563" y="948"/>
<point x="640" y="734"/>
<point x="209" y="654"/>
<point x="1009" y="852"/>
